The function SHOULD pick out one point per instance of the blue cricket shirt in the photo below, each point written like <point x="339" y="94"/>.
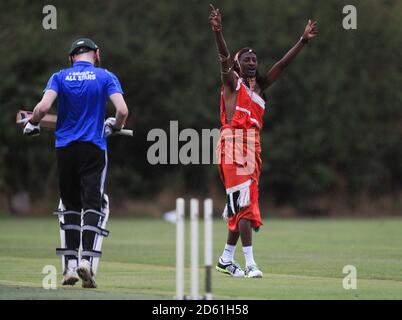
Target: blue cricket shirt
<point x="82" y="93"/>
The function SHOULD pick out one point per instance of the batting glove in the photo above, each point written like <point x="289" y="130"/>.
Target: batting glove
<point x="109" y="128"/>
<point x="31" y="129"/>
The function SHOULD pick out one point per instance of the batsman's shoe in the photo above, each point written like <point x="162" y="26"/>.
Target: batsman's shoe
<point x="230" y="268"/>
<point x="70" y="277"/>
<point x="86" y="274"/>
<point x="253" y="272"/>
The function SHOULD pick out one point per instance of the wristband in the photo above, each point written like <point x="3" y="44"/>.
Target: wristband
<point x="304" y="40"/>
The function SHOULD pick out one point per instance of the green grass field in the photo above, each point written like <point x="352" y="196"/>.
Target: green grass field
<point x="301" y="259"/>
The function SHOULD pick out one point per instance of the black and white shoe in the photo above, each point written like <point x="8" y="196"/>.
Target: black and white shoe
<point x="230" y="268"/>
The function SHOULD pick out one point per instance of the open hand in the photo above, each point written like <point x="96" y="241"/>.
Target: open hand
<point x="311" y="30"/>
<point x="215" y="19"/>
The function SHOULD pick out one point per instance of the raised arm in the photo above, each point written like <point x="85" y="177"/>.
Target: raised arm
<point x="227" y="75"/>
<point x="309" y="33"/>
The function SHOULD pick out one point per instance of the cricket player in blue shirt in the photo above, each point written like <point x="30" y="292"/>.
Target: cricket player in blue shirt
<point x="81" y="131"/>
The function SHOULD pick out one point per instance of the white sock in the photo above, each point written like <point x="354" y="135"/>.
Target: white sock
<point x="228" y="253"/>
<point x="72" y="264"/>
<point x="248" y="255"/>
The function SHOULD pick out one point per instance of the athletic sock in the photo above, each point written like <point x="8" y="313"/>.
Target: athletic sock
<point x="72" y="263"/>
<point x="248" y="255"/>
<point x="228" y="253"/>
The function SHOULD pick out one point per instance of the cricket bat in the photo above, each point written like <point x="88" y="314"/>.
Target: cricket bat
<point x="49" y="122"/>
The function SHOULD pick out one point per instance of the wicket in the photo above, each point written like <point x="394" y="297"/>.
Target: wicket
<point x="180" y="249"/>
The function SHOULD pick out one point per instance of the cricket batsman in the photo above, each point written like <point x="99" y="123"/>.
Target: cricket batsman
<point x="242" y="106"/>
<point x="81" y="151"/>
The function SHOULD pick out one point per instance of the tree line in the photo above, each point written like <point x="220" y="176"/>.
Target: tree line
<point x="333" y="121"/>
